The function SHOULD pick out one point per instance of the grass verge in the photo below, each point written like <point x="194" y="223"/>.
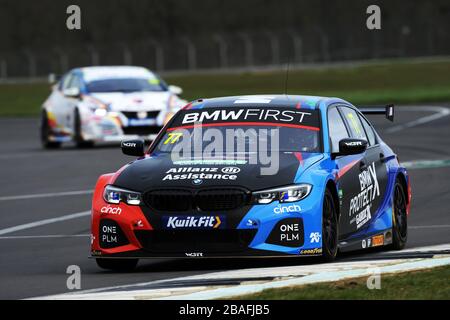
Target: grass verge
<point x="431" y="284"/>
<point x="399" y="82"/>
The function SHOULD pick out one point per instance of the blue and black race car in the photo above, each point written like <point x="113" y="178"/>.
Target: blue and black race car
<point x="273" y="175"/>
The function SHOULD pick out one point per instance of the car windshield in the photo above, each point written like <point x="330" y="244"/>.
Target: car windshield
<point x="126" y="85"/>
<point x="290" y="131"/>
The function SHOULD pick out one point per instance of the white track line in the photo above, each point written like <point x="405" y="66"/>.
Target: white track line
<point x="320" y="271"/>
<point x="46" y="195"/>
<point x="439" y="112"/>
<point x="44" y="222"/>
<point x="430" y="227"/>
<point x="51" y="236"/>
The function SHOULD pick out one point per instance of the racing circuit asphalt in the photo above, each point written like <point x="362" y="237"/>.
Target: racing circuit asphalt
<point x="33" y="261"/>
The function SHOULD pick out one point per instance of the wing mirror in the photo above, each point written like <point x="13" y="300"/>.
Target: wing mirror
<point x="352" y="146"/>
<point x="133" y="147"/>
<point x="72" y="92"/>
<point x="175" y="90"/>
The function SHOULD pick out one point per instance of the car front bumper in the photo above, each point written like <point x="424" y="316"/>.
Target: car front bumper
<point x="275" y="229"/>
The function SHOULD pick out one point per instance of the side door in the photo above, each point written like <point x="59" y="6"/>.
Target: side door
<point x="372" y="176"/>
<point x="347" y="178"/>
<point x="62" y="102"/>
<point x="72" y="102"/>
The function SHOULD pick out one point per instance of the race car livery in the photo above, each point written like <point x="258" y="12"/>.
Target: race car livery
<point x="107" y="104"/>
<point x="254" y="176"/>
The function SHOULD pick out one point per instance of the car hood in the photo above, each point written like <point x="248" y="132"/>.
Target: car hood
<point x="135" y="101"/>
<point x="159" y="171"/>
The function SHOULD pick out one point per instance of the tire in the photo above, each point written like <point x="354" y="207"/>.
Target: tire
<point x="399" y="218"/>
<point x="78" y="136"/>
<point x="330" y="228"/>
<point x="45" y="133"/>
<point x="121" y="265"/>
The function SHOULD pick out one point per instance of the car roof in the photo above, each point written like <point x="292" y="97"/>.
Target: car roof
<point x="113" y="72"/>
<point x="269" y="100"/>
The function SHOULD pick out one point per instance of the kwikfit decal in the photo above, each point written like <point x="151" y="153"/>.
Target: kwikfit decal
<point x="360" y="204"/>
<point x="193" y="222"/>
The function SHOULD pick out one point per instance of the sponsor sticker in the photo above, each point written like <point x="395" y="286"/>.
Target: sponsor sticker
<point x="194" y="254"/>
<point x="231" y="170"/>
<point x="194" y="222"/>
<point x="200" y="173"/>
<point x="250" y="116"/>
<point x="96" y="253"/>
<point x="311" y="251"/>
<point x="111" y="210"/>
<point x="378" y="240"/>
<point x="361" y="204"/>
<point x="287" y="232"/>
<point x="173" y="137"/>
<point x="216" y="162"/>
<point x="287" y="209"/>
<point x="315" y="237"/>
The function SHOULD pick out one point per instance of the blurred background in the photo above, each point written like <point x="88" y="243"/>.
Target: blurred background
<point x="218" y="47"/>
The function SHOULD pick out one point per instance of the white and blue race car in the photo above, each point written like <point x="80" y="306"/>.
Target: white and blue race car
<point x="254" y="176"/>
<point x="107" y="104"/>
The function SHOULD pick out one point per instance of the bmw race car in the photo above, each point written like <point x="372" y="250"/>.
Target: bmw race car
<point x="95" y="104"/>
<point x="254" y="176"/>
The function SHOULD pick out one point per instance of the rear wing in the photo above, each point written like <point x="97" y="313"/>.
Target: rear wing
<point x="387" y="110"/>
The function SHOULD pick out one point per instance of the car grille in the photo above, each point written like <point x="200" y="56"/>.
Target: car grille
<point x="180" y="241"/>
<point x="204" y="200"/>
<point x="134" y="114"/>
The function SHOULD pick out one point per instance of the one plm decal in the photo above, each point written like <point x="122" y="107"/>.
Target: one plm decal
<point x="194" y="222"/>
<point x="360" y="205"/>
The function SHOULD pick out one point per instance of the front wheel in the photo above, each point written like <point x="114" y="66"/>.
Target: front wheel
<point x="329" y="228"/>
<point x="399" y="218"/>
<point x="78" y="135"/>
<point x="121" y="265"/>
<point x="46" y="132"/>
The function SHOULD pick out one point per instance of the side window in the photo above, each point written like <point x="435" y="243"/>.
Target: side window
<point x="354" y="123"/>
<point x="369" y="131"/>
<point x="67" y="81"/>
<point x="76" y="82"/>
<point x="337" y="129"/>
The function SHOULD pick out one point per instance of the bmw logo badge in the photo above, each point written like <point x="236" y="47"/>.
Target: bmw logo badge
<point x="197" y="182"/>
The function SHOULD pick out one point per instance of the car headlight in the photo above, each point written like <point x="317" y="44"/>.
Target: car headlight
<point x="116" y="195"/>
<point x="101" y="112"/>
<point x="283" y="194"/>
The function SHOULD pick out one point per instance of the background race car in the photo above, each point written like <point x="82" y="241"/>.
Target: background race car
<point x="330" y="183"/>
<point x="107" y="104"/>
